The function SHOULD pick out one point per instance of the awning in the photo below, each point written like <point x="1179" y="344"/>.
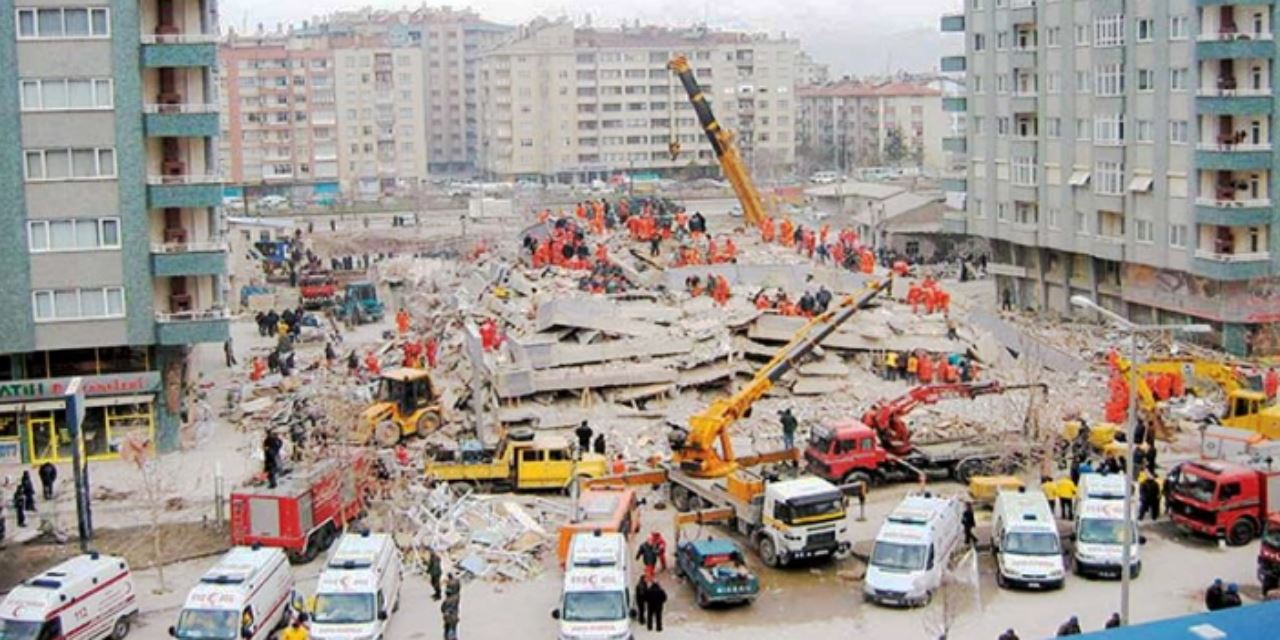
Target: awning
<point x="112" y="401"/>
<point x="1140" y="184"/>
<point x="1079" y="179"/>
<point x="32" y="407"/>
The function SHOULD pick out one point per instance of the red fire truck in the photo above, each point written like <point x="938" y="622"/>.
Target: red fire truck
<point x="307" y="510"/>
<point x="1269" y="555"/>
<point x="1220" y="499"/>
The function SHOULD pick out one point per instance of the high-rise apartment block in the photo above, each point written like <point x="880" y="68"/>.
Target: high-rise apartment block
<point x="112" y="252"/>
<point x="381" y="140"/>
<point x="851" y="124"/>
<point x="1123" y="151"/>
<point x="570" y="104"/>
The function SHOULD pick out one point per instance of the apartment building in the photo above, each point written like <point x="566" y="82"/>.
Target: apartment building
<point x="810" y="72"/>
<point x="381" y="106"/>
<point x="109" y="229"/>
<point x="850" y="124"/>
<point x="566" y="104"/>
<point x="280" y="116"/>
<point x="1123" y="151"/>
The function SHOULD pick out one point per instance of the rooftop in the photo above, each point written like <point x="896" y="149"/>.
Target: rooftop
<point x="856" y="89"/>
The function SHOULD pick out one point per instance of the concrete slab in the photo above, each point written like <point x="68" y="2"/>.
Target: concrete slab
<point x="788" y="277"/>
<point x="818" y="386"/>
<point x="1025" y="346"/>
<point x="560" y="354"/>
<point x="851" y="336"/>
<point x="589" y="313"/>
<point x="825" y="368"/>
<point x="515" y="384"/>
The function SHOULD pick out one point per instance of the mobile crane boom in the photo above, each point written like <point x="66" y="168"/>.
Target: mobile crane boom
<point x="721" y="142"/>
<point x="886" y="417"/>
<point x="694" y="450"/>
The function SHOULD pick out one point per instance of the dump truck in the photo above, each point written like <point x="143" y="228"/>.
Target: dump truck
<point x="308" y="509"/>
<point x="407" y="404"/>
<point x="522" y="461"/>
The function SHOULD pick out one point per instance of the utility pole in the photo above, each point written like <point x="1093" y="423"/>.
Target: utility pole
<point x="74" y="399"/>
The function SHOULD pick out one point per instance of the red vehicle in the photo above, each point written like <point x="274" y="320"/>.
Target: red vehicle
<point x="318" y="289"/>
<point x="878" y="448"/>
<point x="1269" y="555"/>
<point x="1223" y="499"/>
<point x="306" y="512"/>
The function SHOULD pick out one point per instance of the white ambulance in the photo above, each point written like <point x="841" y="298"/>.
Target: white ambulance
<point x="595" y="603"/>
<point x="1024" y="538"/>
<point x="1099" y="528"/>
<point x="85" y="598"/>
<point x="358" y="590"/>
<point x="245" y="596"/>
<point x="913" y="550"/>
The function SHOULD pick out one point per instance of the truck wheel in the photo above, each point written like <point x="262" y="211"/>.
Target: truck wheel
<point x="121" y="628"/>
<point x="427" y="423"/>
<point x="387" y="433"/>
<point x="768" y="552"/>
<point x="679" y="498"/>
<point x="854" y="477"/>
<point x="1241" y="532"/>
<point x="966" y="469"/>
<point x="703" y="600"/>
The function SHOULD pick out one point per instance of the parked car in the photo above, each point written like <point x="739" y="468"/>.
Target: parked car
<point x="717" y="571"/>
<point x="272" y="202"/>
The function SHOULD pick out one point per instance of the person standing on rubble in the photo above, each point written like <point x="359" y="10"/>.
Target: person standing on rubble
<point x="450" y="611"/>
<point x="598" y="445"/>
<point x="584" y="433"/>
<point x="434" y="571"/>
<point x="789" y="425"/>
<point x="271" y="446"/>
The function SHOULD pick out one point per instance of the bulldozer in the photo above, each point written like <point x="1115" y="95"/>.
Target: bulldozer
<point x="407" y="404"/>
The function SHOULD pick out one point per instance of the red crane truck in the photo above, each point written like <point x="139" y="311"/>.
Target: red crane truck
<point x="307" y="510"/>
<point x="1229" y="500"/>
<point x="878" y="448"/>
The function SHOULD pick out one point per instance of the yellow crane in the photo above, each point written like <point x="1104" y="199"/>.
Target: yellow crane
<point x="1246" y="408"/>
<point x="721" y="139"/>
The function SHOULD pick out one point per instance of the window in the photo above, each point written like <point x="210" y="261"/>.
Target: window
<point x="1026" y="214"/>
<point x="1178" y="131"/>
<point x="78" y="304"/>
<point x="977" y="125"/>
<point x="979" y="42"/>
<point x="1178" y="235"/>
<point x="85" y="234"/>
<point x="1108" y="178"/>
<point x="65" y="23"/>
<point x="1002" y="40"/>
<point x="1002" y="211"/>
<point x="1052" y="36"/>
<point x="1143" y="229"/>
<point x="1109" y="79"/>
<point x="1146" y="80"/>
<point x="1082" y="223"/>
<point x="1025" y="171"/>
<point x="1053" y="127"/>
<point x="1082" y="82"/>
<point x="1146" y="29"/>
<point x="1082" y="35"/>
<point x="1053" y="217"/>
<point x="1108" y="31"/>
<point x="1082" y="129"/>
<point x="977" y="83"/>
<point x="1002" y="126"/>
<point x="69" y="164"/>
<point x="1179" y="27"/>
<point x="1178" y="79"/>
<point x="60" y="94"/>
<point x="1108" y="129"/>
<point x="1053" y="82"/>
<point x="1145" y="131"/>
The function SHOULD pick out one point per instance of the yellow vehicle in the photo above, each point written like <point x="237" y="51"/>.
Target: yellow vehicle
<point x="1245" y="408"/>
<point x="407" y="404"/>
<point x="721" y="139"/>
<point x="522" y="461"/>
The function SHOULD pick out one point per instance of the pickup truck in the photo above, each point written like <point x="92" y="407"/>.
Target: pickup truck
<point x="717" y="572"/>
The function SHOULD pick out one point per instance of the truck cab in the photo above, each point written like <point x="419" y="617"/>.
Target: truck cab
<point x="522" y="460"/>
<point x="1248" y="410"/>
<point x="317" y="289"/>
<point x="845" y="452"/>
<point x="1223" y="499"/>
<point x="1269" y="555"/>
<point x="803" y="518"/>
<point x="359" y="588"/>
<point x="1025" y="541"/>
<point x="1099" y="528"/>
<point x="913" y="551"/>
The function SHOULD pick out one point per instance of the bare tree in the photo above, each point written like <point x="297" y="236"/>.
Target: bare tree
<point x="154" y="486"/>
<point x="958" y="593"/>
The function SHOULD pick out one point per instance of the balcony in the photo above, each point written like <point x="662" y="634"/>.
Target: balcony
<point x="1233" y="213"/>
<point x="1232" y="101"/>
<point x="953" y="64"/>
<point x="1022" y="58"/>
<point x="192" y="327"/>
<point x="955" y="144"/>
<point x="953" y="23"/>
<point x="180" y="120"/>
<point x="188" y="259"/>
<point x="1235" y="46"/>
<point x="1240" y="157"/>
<point x="958" y="184"/>
<point x="955" y="222"/>
<point x="1108" y="248"/>
<point x="1024" y="102"/>
<point x="1232" y="266"/>
<point x="955" y="105"/>
<point x="179" y="191"/>
<point x="179" y="50"/>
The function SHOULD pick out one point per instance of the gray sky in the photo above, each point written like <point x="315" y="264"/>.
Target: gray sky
<point x="835" y="31"/>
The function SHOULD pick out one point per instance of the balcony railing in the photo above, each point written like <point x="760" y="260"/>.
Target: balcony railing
<point x="193" y="316"/>
<point x="185" y="179"/>
<point x="189" y="247"/>
<point x="1258" y="256"/>
<point x="1214" y="92"/>
<point x="1246" y="203"/>
<point x="1242" y="147"/>
<point x="179" y="108"/>
<point x="1234" y="35"/>
<point x="179" y="38"/>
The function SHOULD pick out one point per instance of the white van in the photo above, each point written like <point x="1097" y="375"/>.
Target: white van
<point x="1099" y="528"/>
<point x="243" y="597"/>
<point x="595" y="603"/>
<point x="913" y="549"/>
<point x="359" y="588"/>
<point x="87" y="597"/>
<point x="1024" y="538"/>
<point x="824" y="177"/>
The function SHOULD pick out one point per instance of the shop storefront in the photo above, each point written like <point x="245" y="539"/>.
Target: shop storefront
<point x="120" y="411"/>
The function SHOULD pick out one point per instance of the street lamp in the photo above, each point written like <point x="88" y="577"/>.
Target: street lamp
<point x="1132" y="330"/>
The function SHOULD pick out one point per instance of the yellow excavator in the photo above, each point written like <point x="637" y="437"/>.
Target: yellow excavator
<point x="722" y="143"/>
<point x="1246" y="408"/>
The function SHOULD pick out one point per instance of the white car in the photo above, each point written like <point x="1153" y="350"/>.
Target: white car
<point x="272" y="202"/>
<point x="824" y="177"/>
